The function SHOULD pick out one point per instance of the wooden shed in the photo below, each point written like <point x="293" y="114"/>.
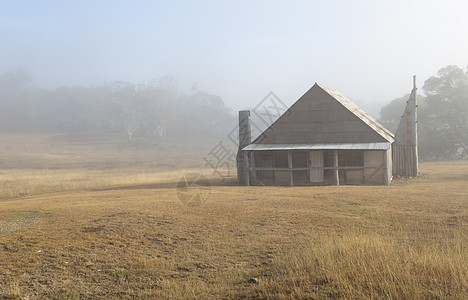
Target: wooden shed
<point x="322" y="139"/>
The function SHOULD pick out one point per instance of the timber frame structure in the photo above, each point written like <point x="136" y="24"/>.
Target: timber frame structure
<point x="323" y="139"/>
<point x="405" y="147"/>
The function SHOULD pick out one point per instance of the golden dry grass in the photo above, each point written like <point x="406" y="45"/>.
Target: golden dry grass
<point x="122" y="233"/>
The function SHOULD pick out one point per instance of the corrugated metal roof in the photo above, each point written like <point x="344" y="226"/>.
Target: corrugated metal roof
<point x="371" y="122"/>
<point x="320" y="146"/>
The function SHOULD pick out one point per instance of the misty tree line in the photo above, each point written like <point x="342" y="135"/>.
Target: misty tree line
<point x="155" y="110"/>
<point x="149" y="111"/>
<point x="442" y="115"/>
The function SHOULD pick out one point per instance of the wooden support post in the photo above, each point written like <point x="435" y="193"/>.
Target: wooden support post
<point x="386" y="176"/>
<point x="246" y="168"/>
<point x="335" y="165"/>
<point x="290" y="165"/>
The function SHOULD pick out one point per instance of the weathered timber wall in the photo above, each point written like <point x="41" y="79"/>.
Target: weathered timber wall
<point x="405" y="160"/>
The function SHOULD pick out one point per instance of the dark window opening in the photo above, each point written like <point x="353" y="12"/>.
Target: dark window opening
<point x="281" y="159"/>
<point x="299" y="159"/>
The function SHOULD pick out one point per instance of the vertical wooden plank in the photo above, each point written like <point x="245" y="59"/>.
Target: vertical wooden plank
<point x="246" y="168"/>
<point x="290" y="165"/>
<point x="404" y="160"/>
<point x="409" y="167"/>
<point x="401" y="160"/>
<point x="389" y="165"/>
<point x="416" y="160"/>
<point x="335" y="165"/>
<point x="398" y="160"/>
<point x="252" y="163"/>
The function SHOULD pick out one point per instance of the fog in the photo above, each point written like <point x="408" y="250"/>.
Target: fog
<point x="238" y="50"/>
<point x="152" y="69"/>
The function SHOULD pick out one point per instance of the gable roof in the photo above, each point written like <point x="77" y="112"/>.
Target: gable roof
<point x="366" y="118"/>
<point x="323" y="115"/>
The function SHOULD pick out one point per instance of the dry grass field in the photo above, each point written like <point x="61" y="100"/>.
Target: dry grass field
<point x="91" y="231"/>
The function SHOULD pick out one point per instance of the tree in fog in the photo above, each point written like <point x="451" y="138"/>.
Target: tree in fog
<point x="445" y="119"/>
<point x="390" y="115"/>
<point x="442" y="115"/>
<point x="125" y="95"/>
<point x="202" y="113"/>
<point x="20" y="105"/>
<point x="149" y="111"/>
<point x="157" y="106"/>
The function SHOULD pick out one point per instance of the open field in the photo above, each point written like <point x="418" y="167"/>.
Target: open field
<point x="96" y="152"/>
<point x="76" y="232"/>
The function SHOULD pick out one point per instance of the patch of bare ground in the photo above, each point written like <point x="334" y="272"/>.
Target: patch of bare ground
<point x="135" y="239"/>
<point x="12" y="221"/>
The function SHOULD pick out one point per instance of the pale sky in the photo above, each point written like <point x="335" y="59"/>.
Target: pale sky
<point x="239" y="50"/>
